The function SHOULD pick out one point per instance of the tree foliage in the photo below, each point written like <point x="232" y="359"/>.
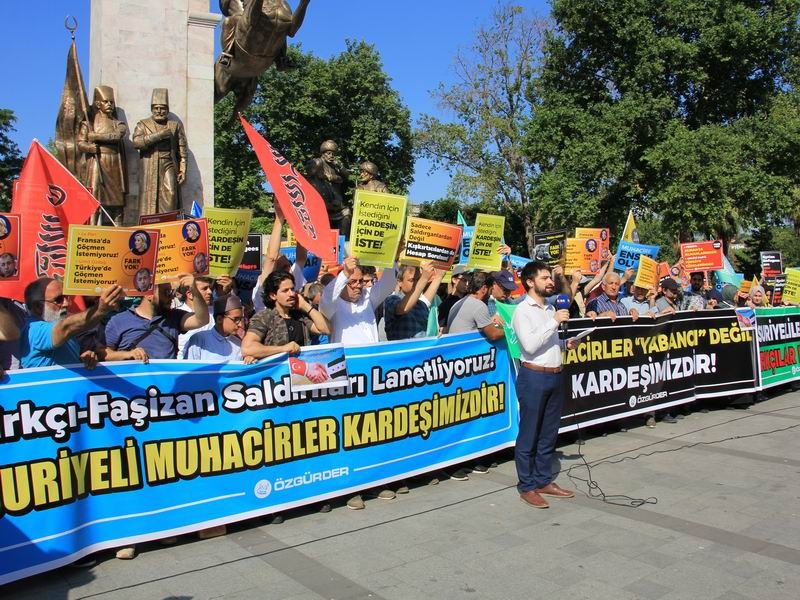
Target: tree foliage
<point x="483" y="147"/>
<point x="10" y="158"/>
<point x="685" y="110"/>
<point x="348" y="99"/>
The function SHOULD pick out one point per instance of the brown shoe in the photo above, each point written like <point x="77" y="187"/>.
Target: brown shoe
<point x="533" y="499"/>
<point x="553" y="489"/>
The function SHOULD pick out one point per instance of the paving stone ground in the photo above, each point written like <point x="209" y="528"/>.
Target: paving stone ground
<point x="706" y="508"/>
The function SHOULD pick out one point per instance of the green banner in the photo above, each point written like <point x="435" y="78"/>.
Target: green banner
<point x="778" y="334"/>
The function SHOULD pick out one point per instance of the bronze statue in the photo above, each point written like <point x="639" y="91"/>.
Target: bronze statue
<point x="368" y="178"/>
<point x="328" y="175"/>
<point x="253" y="37"/>
<point x="100" y="139"/>
<point x="161" y="143"/>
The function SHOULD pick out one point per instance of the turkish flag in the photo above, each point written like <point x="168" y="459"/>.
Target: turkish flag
<point x="49" y="199"/>
<point x="302" y="206"/>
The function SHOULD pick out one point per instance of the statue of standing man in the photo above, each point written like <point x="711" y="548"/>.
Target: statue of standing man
<point x="162" y="147"/>
<point x="100" y="139"/>
<point x="328" y="176"/>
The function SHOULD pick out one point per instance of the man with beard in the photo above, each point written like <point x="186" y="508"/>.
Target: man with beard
<point x="540" y="386"/>
<point x="286" y="323"/>
<point x="151" y="329"/>
<point x="162" y="147"/>
<point x="47" y="338"/>
<point x="101" y="140"/>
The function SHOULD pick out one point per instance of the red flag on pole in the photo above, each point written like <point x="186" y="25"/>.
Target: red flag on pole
<point x="302" y="206"/>
<point x="49" y="198"/>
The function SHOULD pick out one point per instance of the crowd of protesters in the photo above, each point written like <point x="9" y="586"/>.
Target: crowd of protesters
<point x="199" y="318"/>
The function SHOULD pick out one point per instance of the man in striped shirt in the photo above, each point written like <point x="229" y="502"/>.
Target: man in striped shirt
<point x="608" y="303"/>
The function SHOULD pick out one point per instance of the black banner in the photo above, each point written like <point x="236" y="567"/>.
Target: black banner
<point x="627" y="367"/>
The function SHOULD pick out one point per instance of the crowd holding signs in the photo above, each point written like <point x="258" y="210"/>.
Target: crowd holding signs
<point x="301" y="406"/>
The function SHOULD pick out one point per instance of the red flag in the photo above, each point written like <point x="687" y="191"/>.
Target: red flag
<point x="49" y="198"/>
<point x="302" y="206"/>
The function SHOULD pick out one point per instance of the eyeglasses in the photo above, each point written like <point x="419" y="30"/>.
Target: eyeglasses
<point x="236" y="320"/>
<point x="58" y="300"/>
<point x="355" y="282"/>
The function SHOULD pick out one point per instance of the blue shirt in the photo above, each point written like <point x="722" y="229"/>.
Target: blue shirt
<point x="126" y="327"/>
<point x="412" y="324"/>
<point x="603" y="304"/>
<point x="37" y="349"/>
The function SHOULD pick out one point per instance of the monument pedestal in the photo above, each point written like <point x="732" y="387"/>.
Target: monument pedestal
<point x="139" y="45"/>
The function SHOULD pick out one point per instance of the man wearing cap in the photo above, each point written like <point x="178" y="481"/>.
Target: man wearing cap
<point x="540" y="386"/>
<point x="101" y="139"/>
<point x="221" y="343"/>
<point x="502" y="286"/>
<point x="368" y="178"/>
<point x="668" y="301"/>
<point x="162" y="147"/>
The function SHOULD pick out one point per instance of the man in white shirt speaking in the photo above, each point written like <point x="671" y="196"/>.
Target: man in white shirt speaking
<point x="540" y="386"/>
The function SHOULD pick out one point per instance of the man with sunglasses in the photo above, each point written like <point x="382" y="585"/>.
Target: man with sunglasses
<point x="48" y="337"/>
<point x="223" y="343"/>
<point x="350" y="305"/>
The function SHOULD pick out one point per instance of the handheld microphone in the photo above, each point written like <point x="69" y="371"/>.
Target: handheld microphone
<point x="562" y="303"/>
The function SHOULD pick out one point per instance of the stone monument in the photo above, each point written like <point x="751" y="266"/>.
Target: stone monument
<point x="137" y="46"/>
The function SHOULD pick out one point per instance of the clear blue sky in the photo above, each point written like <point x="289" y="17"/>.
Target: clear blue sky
<point x="417" y="42"/>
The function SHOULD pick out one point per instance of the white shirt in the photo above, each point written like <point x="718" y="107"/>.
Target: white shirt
<point x="184" y="338"/>
<point x="353" y="323"/>
<point x="537" y="333"/>
<point x="210" y="345"/>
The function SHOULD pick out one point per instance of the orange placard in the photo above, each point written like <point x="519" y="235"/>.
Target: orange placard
<point x="102" y="256"/>
<point x="431" y="240"/>
<point x="702" y="256"/>
<point x="183" y="249"/>
<point x="9" y="248"/>
<point x="583" y="254"/>
<point x="601" y="235"/>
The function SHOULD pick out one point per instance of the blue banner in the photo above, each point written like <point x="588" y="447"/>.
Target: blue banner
<point x="130" y="452"/>
<point x="466" y="240"/>
<point x="629" y="253"/>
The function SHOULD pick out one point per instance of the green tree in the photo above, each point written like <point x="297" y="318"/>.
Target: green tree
<point x="685" y="110"/>
<point x="10" y="158"/>
<point x="483" y="147"/>
<point x="348" y="99"/>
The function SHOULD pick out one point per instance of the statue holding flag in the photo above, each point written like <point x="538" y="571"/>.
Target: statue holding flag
<point x="100" y="139"/>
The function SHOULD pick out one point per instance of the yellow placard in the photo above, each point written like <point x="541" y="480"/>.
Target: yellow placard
<point x="227" y="238"/>
<point x="431" y="240"/>
<point x="647" y="275"/>
<point x="98" y="257"/>
<point x="183" y="249"/>
<point x="487" y="238"/>
<point x="791" y="291"/>
<point x="376" y="227"/>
